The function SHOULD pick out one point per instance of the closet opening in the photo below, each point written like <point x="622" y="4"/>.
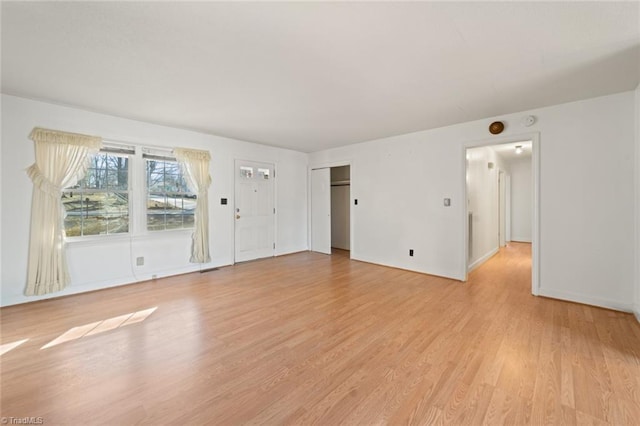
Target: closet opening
<point x="330" y="203"/>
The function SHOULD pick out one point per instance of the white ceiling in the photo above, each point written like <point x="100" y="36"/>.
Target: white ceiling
<point x="508" y="150"/>
<point x="310" y="76"/>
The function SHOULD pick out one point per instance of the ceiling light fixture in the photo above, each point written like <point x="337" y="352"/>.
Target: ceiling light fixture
<point x="518" y="149"/>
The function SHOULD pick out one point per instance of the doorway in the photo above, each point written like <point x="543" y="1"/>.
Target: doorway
<point x="501" y="192"/>
<point x="341" y="208"/>
<point x="330" y="209"/>
<point x="254" y="213"/>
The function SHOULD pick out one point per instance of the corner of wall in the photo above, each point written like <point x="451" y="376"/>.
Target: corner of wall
<point x="636" y="290"/>
<point x="2" y="138"/>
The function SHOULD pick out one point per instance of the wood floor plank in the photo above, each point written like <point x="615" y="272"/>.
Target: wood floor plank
<point x="315" y="339"/>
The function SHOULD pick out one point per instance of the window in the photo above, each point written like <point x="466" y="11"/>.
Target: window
<point x="99" y="203"/>
<point x="263" y="173"/>
<point x="170" y="203"/>
<point x="246" y="172"/>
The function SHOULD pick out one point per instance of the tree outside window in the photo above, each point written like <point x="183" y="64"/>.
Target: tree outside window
<point x="99" y="203"/>
<point x="170" y="203"/>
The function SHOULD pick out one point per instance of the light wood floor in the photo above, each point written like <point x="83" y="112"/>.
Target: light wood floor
<point x="310" y="338"/>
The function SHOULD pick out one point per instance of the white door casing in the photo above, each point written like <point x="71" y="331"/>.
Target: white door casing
<point x="507" y="200"/>
<point x="502" y="221"/>
<point x="321" y="210"/>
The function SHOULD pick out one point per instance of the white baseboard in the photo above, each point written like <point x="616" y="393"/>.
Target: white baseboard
<point x="587" y="300"/>
<point x="429" y="271"/>
<point x="72" y="289"/>
<point x="483" y="259"/>
<point x="290" y="250"/>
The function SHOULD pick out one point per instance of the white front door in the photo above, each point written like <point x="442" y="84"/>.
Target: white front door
<point x="321" y="210"/>
<point x="254" y="210"/>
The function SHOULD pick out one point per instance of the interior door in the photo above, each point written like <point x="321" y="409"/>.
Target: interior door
<point x="321" y="210"/>
<point x="254" y="210"/>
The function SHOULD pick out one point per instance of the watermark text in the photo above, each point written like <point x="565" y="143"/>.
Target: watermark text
<point x="21" y="420"/>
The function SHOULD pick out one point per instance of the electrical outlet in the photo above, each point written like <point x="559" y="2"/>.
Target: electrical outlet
<point x="411" y="252"/>
<point x="139" y="261"/>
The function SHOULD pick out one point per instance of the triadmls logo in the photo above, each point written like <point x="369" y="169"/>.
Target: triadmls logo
<point x="22" y="420"/>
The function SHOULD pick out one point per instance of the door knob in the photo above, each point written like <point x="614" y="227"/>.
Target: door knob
<point x="237" y="216"/>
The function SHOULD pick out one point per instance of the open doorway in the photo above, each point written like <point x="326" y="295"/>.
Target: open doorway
<point x="331" y="210"/>
<point x="341" y="208"/>
<point x="501" y="194"/>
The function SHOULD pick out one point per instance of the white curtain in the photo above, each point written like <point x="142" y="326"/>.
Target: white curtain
<point x="61" y="160"/>
<point x="195" y="164"/>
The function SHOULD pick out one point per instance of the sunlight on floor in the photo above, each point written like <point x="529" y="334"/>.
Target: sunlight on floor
<point x="8" y="346"/>
<point x="100" y="326"/>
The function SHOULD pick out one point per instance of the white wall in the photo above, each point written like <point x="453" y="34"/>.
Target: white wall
<point x="521" y="199"/>
<point x="637" y="169"/>
<point x="108" y="262"/>
<point x="1" y="202"/>
<point x="587" y="197"/>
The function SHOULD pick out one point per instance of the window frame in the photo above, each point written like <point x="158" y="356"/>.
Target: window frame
<point x="137" y="193"/>
<point x="146" y="158"/>
<point x="107" y="150"/>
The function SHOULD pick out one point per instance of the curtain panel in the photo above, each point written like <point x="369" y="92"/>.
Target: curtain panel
<point x="195" y="164"/>
<point x="61" y="160"/>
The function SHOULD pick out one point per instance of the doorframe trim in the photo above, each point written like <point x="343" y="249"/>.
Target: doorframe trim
<point x="534" y="137"/>
<point x="502" y="235"/>
<point x="275" y="203"/>
<point x="314" y="166"/>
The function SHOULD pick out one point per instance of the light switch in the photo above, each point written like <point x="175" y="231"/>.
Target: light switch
<point x="447" y="202"/>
